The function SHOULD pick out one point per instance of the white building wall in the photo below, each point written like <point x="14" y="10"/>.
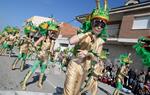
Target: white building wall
<point x="115" y="50"/>
<point x="62" y="40"/>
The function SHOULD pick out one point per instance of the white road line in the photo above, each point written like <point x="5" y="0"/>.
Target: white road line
<point x="51" y="83"/>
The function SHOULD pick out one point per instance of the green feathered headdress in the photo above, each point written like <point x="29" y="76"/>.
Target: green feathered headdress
<point x="143" y="49"/>
<point x="8" y="29"/>
<point x="125" y="59"/>
<point x="58" y="49"/>
<point x="16" y="30"/>
<point x="30" y="28"/>
<point x="100" y="13"/>
<point x="53" y="26"/>
<point x="11" y="30"/>
<point x="47" y="26"/>
<point x="104" y="54"/>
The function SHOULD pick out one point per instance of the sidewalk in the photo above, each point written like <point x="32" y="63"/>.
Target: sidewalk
<point x="109" y="89"/>
<point x="23" y="93"/>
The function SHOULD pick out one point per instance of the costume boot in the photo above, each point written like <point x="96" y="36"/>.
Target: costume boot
<point x="23" y="83"/>
<point x="40" y="82"/>
<point x="10" y="52"/>
<point x="2" y="51"/>
<point x="22" y="65"/>
<point x="15" y="63"/>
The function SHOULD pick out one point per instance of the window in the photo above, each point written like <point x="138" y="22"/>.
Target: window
<point x="142" y="22"/>
<point x="63" y="45"/>
<point x="113" y="30"/>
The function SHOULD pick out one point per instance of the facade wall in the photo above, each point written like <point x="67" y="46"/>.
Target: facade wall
<point x="117" y="49"/>
<point x="126" y="30"/>
<point x="62" y="42"/>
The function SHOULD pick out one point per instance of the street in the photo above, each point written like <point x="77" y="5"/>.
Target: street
<point x="53" y="85"/>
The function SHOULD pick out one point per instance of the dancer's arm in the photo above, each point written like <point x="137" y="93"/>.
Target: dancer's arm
<point x="39" y="40"/>
<point x="75" y="39"/>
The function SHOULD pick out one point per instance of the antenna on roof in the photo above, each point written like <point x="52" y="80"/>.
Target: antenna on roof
<point x="132" y="2"/>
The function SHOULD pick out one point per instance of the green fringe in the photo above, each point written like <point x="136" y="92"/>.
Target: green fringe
<point x="142" y="52"/>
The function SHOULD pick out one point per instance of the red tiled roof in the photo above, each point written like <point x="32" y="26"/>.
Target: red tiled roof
<point x="67" y="30"/>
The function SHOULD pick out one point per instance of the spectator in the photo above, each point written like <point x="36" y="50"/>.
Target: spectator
<point x="140" y="84"/>
<point x="141" y="79"/>
<point x="113" y="72"/>
<point x="147" y="88"/>
<point x="147" y="77"/>
<point x="132" y="76"/>
<point x="148" y="69"/>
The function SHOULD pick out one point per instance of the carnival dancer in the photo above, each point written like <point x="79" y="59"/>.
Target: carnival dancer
<point x="125" y="61"/>
<point x="11" y="39"/>
<point x="3" y="36"/>
<point x="56" y="54"/>
<point x="26" y="46"/>
<point x="88" y="46"/>
<point x="143" y="49"/>
<point x="65" y="58"/>
<point x="95" y="72"/>
<point x="50" y="32"/>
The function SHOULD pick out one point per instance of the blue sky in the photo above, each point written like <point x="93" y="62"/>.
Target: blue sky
<point x="14" y="12"/>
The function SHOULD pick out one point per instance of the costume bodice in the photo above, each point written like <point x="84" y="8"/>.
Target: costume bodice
<point x="91" y="44"/>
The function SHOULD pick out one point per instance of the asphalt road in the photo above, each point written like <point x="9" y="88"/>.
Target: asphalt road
<point x="10" y="79"/>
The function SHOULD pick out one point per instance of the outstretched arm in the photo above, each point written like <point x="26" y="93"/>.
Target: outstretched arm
<point x="39" y="40"/>
<point x="75" y="39"/>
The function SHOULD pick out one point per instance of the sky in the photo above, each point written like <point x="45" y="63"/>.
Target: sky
<point x="15" y="12"/>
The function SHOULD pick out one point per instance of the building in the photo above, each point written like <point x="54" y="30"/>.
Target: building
<point x="36" y="20"/>
<point x="66" y="31"/>
<point x="127" y="24"/>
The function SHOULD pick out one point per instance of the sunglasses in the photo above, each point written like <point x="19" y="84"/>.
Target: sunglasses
<point x="97" y="22"/>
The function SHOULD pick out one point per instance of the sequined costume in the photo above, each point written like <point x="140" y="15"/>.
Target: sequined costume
<point x="10" y="39"/>
<point x="122" y="72"/>
<point x="50" y="32"/>
<point x="88" y="47"/>
<point x="142" y="48"/>
<point x="25" y="45"/>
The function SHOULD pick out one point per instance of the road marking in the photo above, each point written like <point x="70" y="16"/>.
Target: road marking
<point x="51" y="84"/>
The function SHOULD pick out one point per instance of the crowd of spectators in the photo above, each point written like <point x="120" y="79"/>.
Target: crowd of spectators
<point x="137" y="81"/>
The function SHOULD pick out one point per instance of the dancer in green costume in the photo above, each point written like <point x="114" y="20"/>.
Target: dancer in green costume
<point x="122" y="72"/>
<point x="88" y="46"/>
<point x="10" y="40"/>
<point x="25" y="45"/>
<point x="143" y="49"/>
<point x="49" y="31"/>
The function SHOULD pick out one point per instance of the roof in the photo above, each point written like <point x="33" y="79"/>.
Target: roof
<point x="67" y="30"/>
<point x="121" y="9"/>
<point x="36" y="20"/>
<point x="82" y="18"/>
<point x="142" y="5"/>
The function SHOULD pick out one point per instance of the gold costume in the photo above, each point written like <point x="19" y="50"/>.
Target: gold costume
<point x="89" y="47"/>
<point x="122" y="72"/>
<point x="93" y="81"/>
<point x="78" y="67"/>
